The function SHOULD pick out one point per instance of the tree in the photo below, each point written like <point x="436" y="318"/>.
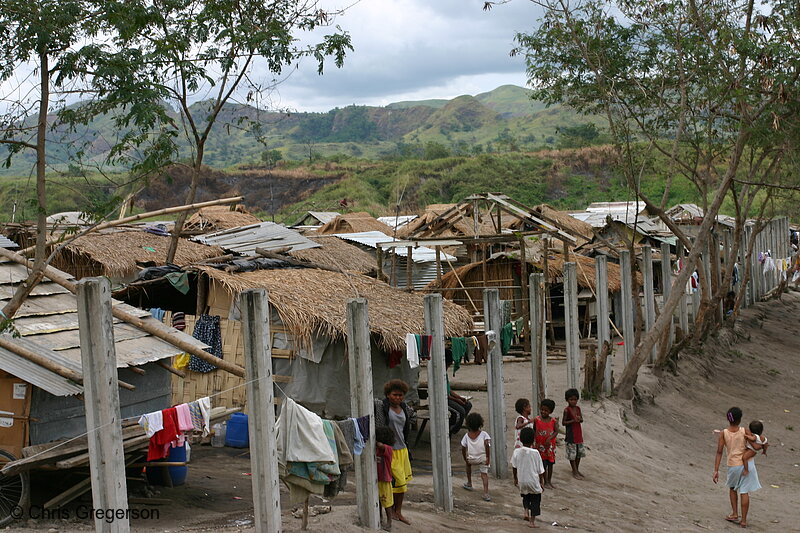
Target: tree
<point x="208" y="51"/>
<point x="712" y="87"/>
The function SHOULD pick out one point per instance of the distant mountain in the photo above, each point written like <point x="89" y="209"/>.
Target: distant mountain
<point x="505" y="119"/>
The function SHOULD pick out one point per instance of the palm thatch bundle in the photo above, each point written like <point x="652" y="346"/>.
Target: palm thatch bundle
<point x="498" y="269"/>
<point x="354" y="223"/>
<point x="336" y="253"/>
<point x="312" y="301"/>
<point x="218" y="218"/>
<point x="579" y="229"/>
<point x="115" y="253"/>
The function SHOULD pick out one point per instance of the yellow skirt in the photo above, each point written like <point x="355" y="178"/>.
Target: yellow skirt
<point x="401" y="471"/>
<point x="385" y="494"/>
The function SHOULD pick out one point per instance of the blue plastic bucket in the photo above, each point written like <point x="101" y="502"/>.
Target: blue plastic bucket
<point x="237" y="435"/>
<point x="178" y="474"/>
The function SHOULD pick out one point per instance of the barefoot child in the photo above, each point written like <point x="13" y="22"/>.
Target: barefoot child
<point x="572" y="420"/>
<point x="754" y="440"/>
<point x="475" y="449"/>
<point x="384" y="440"/>
<point x="732" y="440"/>
<point x="546" y="428"/>
<point x="524" y="419"/>
<point x="528" y="475"/>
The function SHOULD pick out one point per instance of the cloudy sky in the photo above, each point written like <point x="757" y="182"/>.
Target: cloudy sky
<point x="413" y="50"/>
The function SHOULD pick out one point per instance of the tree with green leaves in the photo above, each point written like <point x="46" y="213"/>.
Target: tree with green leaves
<point x="201" y="55"/>
<point x="710" y="86"/>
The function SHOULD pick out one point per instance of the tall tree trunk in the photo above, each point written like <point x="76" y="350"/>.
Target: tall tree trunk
<point x="624" y="388"/>
<point x="181" y="220"/>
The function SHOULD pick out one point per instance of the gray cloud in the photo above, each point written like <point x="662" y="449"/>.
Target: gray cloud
<point x="413" y="49"/>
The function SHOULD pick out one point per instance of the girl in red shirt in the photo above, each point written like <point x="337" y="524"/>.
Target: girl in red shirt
<point x="546" y="428"/>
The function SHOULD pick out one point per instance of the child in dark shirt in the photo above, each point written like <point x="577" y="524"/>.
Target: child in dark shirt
<point x="572" y="420"/>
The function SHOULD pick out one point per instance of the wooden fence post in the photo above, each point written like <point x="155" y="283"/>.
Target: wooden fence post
<point x="572" y="326"/>
<point x="666" y="283"/>
<point x="101" y="401"/>
<point x="628" y="334"/>
<point x="603" y="329"/>
<point x="362" y="404"/>
<point x="649" y="294"/>
<point x="260" y="402"/>
<point x="494" y="381"/>
<point x="437" y="400"/>
<point x="538" y="337"/>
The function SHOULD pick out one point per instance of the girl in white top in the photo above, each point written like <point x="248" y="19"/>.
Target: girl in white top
<point x="524" y="420"/>
<point x="475" y="450"/>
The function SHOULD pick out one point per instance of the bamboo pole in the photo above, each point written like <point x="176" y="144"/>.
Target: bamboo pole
<point x="154" y="328"/>
<point x="149" y="214"/>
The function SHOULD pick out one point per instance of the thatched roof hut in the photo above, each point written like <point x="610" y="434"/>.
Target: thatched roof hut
<point x="337" y="253"/>
<point x="462" y="226"/>
<point x="217" y="218"/>
<point x="353" y="223"/>
<point x="312" y="301"/>
<point x="114" y="254"/>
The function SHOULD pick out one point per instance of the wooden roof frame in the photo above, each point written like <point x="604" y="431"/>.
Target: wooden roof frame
<point x="496" y="203"/>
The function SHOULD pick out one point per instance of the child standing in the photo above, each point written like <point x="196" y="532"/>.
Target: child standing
<point x="528" y="475"/>
<point x="546" y="428"/>
<point x="524" y="420"/>
<point x="384" y="440"/>
<point x="475" y="450"/>
<point x="572" y="420"/>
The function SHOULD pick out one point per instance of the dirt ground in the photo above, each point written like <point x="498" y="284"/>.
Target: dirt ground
<point x="648" y="468"/>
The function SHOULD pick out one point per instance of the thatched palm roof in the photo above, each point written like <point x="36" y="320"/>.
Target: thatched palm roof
<point x="463" y="226"/>
<point x="353" y="223"/>
<point x="336" y="253"/>
<point x="217" y="218"/>
<point x="115" y="253"/>
<point x="555" y="269"/>
<point x="582" y="231"/>
<point x="315" y="301"/>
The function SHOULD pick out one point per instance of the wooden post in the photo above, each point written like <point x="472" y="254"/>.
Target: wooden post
<point x="362" y="404"/>
<point x="494" y="381"/>
<point x="684" y="311"/>
<point x="526" y="316"/>
<point x="101" y="401"/>
<point x="409" y="267"/>
<point x="666" y="284"/>
<point x="627" y="305"/>
<point x="379" y="259"/>
<point x="439" y="265"/>
<point x="437" y="400"/>
<point x="260" y="395"/>
<point x="537" y="337"/>
<point x="572" y="326"/>
<point x="649" y="294"/>
<point x="603" y="330"/>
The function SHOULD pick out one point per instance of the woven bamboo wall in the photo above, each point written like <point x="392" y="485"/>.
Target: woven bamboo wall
<point x="196" y="384"/>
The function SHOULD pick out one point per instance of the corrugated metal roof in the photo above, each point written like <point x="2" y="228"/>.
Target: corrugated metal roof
<point x="397" y="221"/>
<point x="420" y="254"/>
<point x="267" y="235"/>
<point x="5" y="242"/>
<point x="47" y="324"/>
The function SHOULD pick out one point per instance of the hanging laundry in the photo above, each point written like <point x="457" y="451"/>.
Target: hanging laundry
<point x="482" y="350"/>
<point x="184" y="417"/>
<point x="412" y="351"/>
<point x="179" y="320"/>
<point x="200" y="411"/>
<point x="159" y="445"/>
<point x="735" y="274"/>
<point x="158" y="313"/>
<point x="458" y="345"/>
<point x="207" y="330"/>
<point x="359" y="441"/>
<point x="506" y="337"/>
<point x="472" y="344"/>
<point x="363" y="426"/>
<point x="425" y="342"/>
<point x="519" y="325"/>
<point x="347" y="426"/>
<point x="152" y="423"/>
<point x="179" y="280"/>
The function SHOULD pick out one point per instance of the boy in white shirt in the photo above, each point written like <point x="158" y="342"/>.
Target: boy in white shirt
<point x="528" y="475"/>
<point x="475" y="450"/>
